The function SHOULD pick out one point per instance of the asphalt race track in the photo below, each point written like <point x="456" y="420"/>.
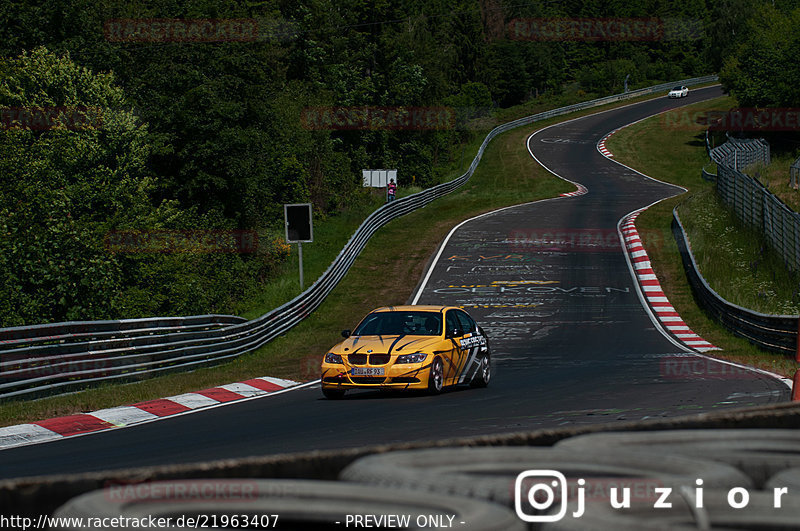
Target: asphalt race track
<point x="571" y="340"/>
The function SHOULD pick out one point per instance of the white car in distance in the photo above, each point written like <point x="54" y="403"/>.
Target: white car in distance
<point x="678" y="92"/>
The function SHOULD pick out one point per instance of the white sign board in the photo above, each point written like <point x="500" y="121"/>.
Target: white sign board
<point x="378" y="178"/>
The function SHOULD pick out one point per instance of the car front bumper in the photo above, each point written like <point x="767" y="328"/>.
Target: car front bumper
<point x="396" y="376"/>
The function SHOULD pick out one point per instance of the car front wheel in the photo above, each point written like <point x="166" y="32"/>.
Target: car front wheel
<point x="484" y="374"/>
<point x="436" y="376"/>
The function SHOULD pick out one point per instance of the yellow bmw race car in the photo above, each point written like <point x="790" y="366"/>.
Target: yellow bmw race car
<point x="409" y="347"/>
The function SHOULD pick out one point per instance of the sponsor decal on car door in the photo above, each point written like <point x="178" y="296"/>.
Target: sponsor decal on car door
<point x="455" y="362"/>
<point x="472" y="344"/>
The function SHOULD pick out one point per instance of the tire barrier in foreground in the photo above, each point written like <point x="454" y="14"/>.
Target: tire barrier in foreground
<point x="758" y="453"/>
<point x="133" y="358"/>
<point x="775" y="333"/>
<point x="491" y="473"/>
<point x="675" y="479"/>
<point x="284" y="504"/>
<point x="787" y="478"/>
<point x="32" y="497"/>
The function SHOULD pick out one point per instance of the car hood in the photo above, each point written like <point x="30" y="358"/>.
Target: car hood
<point x="388" y="344"/>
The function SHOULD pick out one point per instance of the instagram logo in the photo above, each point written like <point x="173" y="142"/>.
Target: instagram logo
<point x="536" y="491"/>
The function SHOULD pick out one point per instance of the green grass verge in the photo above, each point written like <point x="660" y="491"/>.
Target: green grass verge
<point x="676" y="153"/>
<point x="736" y="260"/>
<point x="386" y="272"/>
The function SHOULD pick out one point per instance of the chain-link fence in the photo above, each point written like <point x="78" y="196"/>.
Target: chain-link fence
<point x="752" y="202"/>
<point x="737" y="154"/>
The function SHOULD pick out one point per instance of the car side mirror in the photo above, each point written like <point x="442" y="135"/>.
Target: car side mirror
<point x="346" y="333"/>
<point x="452" y="333"/>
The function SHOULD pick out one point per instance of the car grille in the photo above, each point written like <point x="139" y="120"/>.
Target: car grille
<point x="374" y="359"/>
<point x="357" y="359"/>
<point x="378" y="359"/>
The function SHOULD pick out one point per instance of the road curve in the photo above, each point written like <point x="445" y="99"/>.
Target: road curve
<point x="572" y="342"/>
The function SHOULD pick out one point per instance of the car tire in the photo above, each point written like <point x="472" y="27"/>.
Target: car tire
<point x="299" y="504"/>
<point x="484" y="374"/>
<point x="436" y="376"/>
<point x="758" y="453"/>
<point x="787" y="478"/>
<point x="333" y="394"/>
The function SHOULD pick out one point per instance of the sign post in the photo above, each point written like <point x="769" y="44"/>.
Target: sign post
<point x="299" y="229"/>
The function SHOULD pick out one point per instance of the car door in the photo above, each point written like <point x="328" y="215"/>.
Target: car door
<point x="455" y="356"/>
<point x="472" y="344"/>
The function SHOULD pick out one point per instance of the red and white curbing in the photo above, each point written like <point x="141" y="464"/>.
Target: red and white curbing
<point x="119" y="417"/>
<point x="652" y="292"/>
<point x="582" y="190"/>
<point x="601" y="146"/>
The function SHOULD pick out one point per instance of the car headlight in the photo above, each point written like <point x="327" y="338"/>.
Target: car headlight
<point x="330" y="357"/>
<point x="417" y="357"/>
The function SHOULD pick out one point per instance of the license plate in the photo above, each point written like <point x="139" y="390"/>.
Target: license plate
<point x="367" y="371"/>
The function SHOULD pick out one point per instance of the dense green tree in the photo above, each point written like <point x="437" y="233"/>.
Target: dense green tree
<point x="73" y="158"/>
<point x="764" y="71"/>
<point x="210" y="135"/>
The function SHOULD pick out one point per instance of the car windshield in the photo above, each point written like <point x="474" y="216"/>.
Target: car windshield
<point x="676" y="88"/>
<point x="413" y="323"/>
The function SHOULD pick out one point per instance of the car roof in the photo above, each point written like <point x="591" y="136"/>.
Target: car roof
<point x="413" y="308"/>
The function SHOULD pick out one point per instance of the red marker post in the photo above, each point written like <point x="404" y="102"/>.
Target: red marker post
<point x="796" y="387"/>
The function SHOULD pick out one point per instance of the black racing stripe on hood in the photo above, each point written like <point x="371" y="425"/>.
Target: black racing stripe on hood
<point x="409" y="343"/>
<point x="395" y="342"/>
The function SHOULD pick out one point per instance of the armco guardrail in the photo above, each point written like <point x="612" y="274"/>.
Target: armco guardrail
<point x="776" y="333"/>
<point x="31" y="372"/>
<point x="74" y="331"/>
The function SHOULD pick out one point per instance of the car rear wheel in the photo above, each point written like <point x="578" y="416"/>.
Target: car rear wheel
<point x="484" y="374"/>
<point x="436" y="376"/>
<point x="333" y="394"/>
